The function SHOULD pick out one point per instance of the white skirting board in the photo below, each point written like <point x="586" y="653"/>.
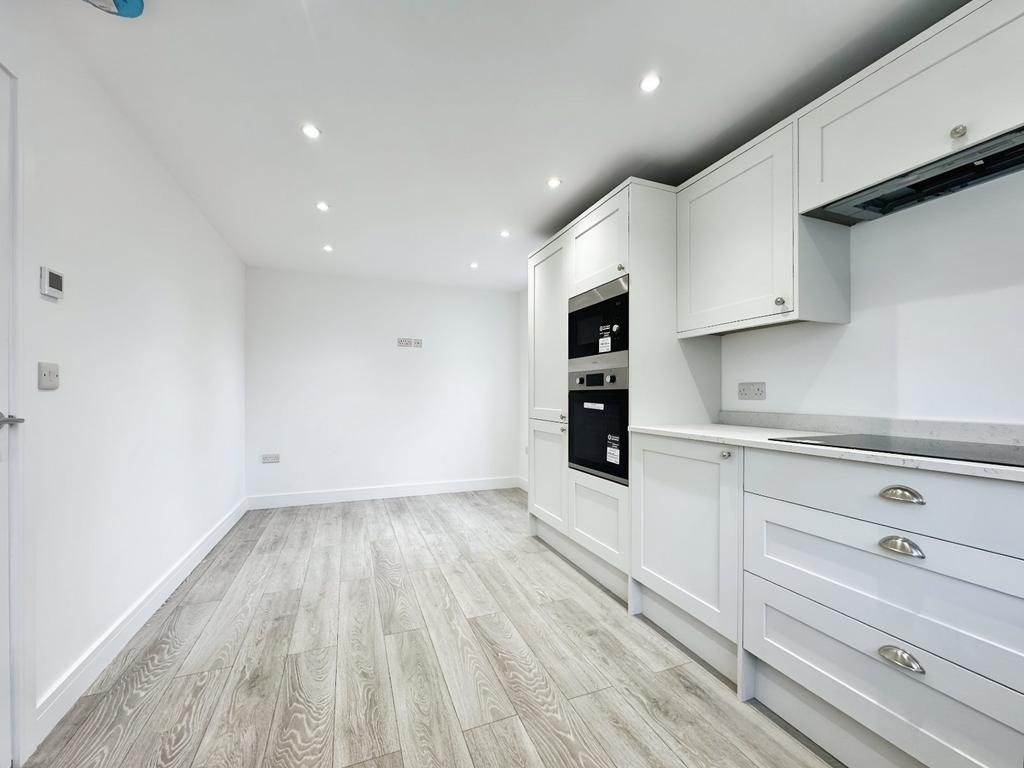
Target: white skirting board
<point x="333" y="496"/>
<point x="607" y="576"/>
<point x="56" y="702"/>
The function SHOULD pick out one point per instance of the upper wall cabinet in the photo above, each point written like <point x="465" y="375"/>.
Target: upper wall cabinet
<point x="744" y="258"/>
<point x="548" y="331"/>
<point x="599" y="243"/>
<point x="955" y="89"/>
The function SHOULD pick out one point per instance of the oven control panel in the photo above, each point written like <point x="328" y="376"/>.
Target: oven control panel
<point x="608" y="378"/>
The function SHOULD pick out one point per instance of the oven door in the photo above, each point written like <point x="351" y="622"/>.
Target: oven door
<point x="598" y="433"/>
<point x="599" y="320"/>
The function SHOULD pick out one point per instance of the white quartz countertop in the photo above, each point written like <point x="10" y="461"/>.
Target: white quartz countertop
<point x="760" y="437"/>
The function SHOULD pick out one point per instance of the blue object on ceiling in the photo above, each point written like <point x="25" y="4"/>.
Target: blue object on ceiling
<point x="127" y="8"/>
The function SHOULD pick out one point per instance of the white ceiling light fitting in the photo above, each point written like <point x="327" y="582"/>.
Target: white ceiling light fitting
<point x="328" y="248"/>
<point x="554" y="182"/>
<point x="311" y="131"/>
<point x="650" y="82"/>
<point x="505" y="233"/>
<point x="323" y="207"/>
<point x="474" y="265"/>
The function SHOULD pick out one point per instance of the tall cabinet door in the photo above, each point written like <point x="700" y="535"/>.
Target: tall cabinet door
<point x="686" y="501"/>
<point x="548" y="308"/>
<point x="549" y="466"/>
<point x="734" y="258"/>
<point x="600" y="245"/>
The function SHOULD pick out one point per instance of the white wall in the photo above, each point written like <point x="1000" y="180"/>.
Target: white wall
<point x="138" y="455"/>
<point x="348" y="410"/>
<point x="936" y="326"/>
<point x="523" y="433"/>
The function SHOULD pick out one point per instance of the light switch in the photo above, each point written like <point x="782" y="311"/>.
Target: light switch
<point x="49" y="376"/>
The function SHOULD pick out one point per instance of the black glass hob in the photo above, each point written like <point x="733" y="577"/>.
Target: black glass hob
<point x="985" y="453"/>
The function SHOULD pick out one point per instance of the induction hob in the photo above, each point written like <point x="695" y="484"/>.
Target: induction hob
<point x="985" y="453"/>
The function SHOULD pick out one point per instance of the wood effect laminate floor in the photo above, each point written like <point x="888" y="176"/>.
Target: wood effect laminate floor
<point x="424" y="631"/>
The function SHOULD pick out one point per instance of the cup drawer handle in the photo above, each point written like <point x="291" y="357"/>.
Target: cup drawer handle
<point x="901" y="493"/>
<point x="901" y="546"/>
<point x="900" y="658"/>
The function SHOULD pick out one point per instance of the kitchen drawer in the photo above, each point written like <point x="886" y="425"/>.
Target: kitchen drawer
<point x="901" y="116"/>
<point x="963" y="604"/>
<point x="977" y="511"/>
<point x="599" y="517"/>
<point x="944" y="716"/>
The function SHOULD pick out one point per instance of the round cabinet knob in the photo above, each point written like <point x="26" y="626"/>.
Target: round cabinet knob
<point x="609" y="379"/>
<point x="726" y="454"/>
<point x="780" y="301"/>
<point x="620" y="267"/>
<point x="958" y="131"/>
<point x="579" y="379"/>
<point x="615" y="329"/>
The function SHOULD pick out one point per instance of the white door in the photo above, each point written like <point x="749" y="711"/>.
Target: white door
<point x="6" y="257"/>
<point x="548" y="308"/>
<point x="686" y="499"/>
<point x="549" y="463"/>
<point x="600" y="245"/>
<point x="735" y="242"/>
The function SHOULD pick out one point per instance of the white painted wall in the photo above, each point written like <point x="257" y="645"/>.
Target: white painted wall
<point x="935" y="332"/>
<point x="138" y="456"/>
<point x="351" y="413"/>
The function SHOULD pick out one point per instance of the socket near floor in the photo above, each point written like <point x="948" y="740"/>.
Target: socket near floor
<point x="752" y="390"/>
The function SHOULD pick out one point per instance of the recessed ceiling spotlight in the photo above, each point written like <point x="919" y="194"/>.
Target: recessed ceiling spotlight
<point x="505" y="233"/>
<point x="323" y="207"/>
<point x="474" y="265"/>
<point x="650" y="82"/>
<point x="554" y="182"/>
<point x="328" y="248"/>
<point x="311" y="131"/>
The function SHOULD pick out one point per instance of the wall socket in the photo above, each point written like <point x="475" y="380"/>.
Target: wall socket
<point x="752" y="390"/>
<point x="49" y="376"/>
<point x="412" y="343"/>
<point x="270" y="458"/>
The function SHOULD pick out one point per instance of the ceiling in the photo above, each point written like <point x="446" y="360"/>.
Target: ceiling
<point x="443" y="120"/>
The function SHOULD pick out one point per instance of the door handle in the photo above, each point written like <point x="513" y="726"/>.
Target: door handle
<point x="10" y="420"/>
<point x="901" y="546"/>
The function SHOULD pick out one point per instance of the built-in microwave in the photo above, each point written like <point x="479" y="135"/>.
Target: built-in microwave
<point x="599" y="422"/>
<point x="599" y="320"/>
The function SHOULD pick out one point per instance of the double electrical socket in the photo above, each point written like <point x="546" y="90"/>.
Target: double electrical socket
<point x="414" y="343"/>
<point x="752" y="390"/>
<point x="270" y="458"/>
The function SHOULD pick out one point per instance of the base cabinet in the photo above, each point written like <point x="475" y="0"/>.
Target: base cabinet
<point x="549" y="457"/>
<point x="686" y="498"/>
<point x="599" y="517"/>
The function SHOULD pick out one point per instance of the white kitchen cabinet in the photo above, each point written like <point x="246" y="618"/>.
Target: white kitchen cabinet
<point x="548" y="331"/>
<point x="686" y="500"/>
<point x="599" y="244"/>
<point x="599" y="517"/>
<point x="907" y="112"/>
<point x="549" y="464"/>
<point x="744" y="258"/>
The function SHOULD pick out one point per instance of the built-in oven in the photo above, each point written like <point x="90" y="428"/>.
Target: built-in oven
<point x="599" y="420"/>
<point x="599" y="320"/>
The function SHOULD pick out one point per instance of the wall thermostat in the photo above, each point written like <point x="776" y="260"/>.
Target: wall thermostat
<point x="51" y="283"/>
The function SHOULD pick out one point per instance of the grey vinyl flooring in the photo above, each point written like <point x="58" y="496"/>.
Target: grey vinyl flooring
<point x="423" y="631"/>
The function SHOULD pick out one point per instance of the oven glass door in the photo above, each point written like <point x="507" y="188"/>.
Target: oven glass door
<point x="599" y="328"/>
<point x="598" y="433"/>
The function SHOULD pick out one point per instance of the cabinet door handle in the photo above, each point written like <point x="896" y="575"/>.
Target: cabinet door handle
<point x="620" y="267"/>
<point x="901" y="493"/>
<point x="726" y="454"/>
<point x="958" y="131"/>
<point x="901" y="546"/>
<point x="900" y="658"/>
<point x="780" y="301"/>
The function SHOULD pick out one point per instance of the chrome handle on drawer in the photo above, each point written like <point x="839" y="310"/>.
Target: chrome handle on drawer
<point x="900" y="658"/>
<point x="901" y="546"/>
<point x="901" y="493"/>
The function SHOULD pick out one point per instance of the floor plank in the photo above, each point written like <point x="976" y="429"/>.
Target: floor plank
<point x="625" y="736"/>
<point x="476" y="694"/>
<point x="46" y="753"/>
<point x="117" y="719"/>
<point x="365" y="723"/>
<point x="355" y="554"/>
<point x="398" y="607"/>
<point x="473" y="597"/>
<point x="427" y="724"/>
<point x="328" y="529"/>
<point x="172" y="735"/>
<point x="290" y="570"/>
<point x="504" y="744"/>
<point x="415" y="552"/>
<point x="394" y="760"/>
<point x="316" y="624"/>
<point x="556" y="729"/>
<point x="302" y="733"/>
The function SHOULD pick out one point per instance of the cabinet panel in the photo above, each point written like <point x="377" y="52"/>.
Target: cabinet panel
<point x="900" y="116"/>
<point x="549" y="463"/>
<point x="599" y="517"/>
<point x="548" y="304"/>
<point x="686" y="500"/>
<point x="735" y="250"/>
<point x="600" y="245"/>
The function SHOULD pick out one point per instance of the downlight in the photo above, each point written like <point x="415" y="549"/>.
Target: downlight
<point x="130" y="9"/>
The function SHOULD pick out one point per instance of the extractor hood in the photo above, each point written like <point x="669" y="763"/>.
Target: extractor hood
<point x="974" y="165"/>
